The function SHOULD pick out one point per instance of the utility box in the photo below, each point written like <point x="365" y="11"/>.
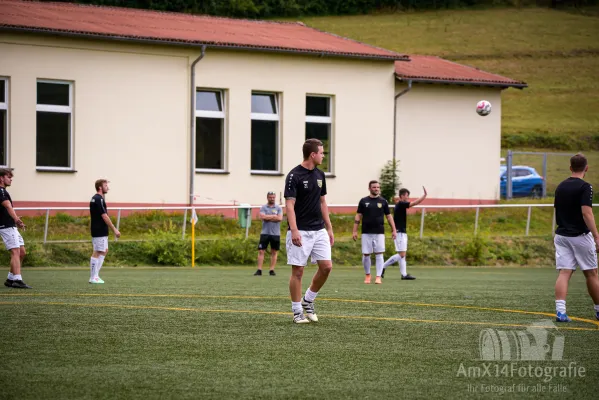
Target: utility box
<point x="245" y="215"/>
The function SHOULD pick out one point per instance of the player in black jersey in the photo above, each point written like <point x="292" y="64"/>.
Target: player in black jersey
<point x="310" y="233"/>
<point x="576" y="237"/>
<point x="9" y="222"/>
<point x="100" y="221"/>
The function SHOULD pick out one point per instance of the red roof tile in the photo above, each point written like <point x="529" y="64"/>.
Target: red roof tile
<point x="437" y="70"/>
<point x="174" y="28"/>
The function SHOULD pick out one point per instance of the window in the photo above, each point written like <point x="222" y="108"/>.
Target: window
<point x="265" y="132"/>
<point x="54" y="125"/>
<point x="210" y="130"/>
<point x="3" y="122"/>
<point x="318" y="126"/>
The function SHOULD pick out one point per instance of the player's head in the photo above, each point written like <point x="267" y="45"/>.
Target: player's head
<point x="579" y="163"/>
<point x="102" y="184"/>
<point x="271" y="197"/>
<point x="404" y="194"/>
<point x="313" y="150"/>
<point x="5" y="177"/>
<point x="374" y="187"/>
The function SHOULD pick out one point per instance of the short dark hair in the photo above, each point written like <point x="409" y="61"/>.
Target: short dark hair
<point x="578" y="162"/>
<point x="372" y="183"/>
<point x="6" y="172"/>
<point x="310" y="146"/>
<point x="404" y="191"/>
<point x="99" y="183"/>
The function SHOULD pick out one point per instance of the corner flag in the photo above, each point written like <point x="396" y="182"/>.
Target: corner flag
<point x="194" y="220"/>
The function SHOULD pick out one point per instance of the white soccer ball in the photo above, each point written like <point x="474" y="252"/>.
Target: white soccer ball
<point x="483" y="108"/>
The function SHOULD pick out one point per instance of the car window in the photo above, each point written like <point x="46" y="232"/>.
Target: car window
<point x="521" y="172"/>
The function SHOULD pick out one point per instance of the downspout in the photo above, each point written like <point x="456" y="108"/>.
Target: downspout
<point x="192" y="115"/>
<point x="406" y="90"/>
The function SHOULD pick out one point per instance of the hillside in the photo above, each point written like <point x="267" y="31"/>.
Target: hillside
<point x="555" y="52"/>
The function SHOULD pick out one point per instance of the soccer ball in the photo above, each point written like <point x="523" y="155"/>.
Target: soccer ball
<point x="483" y="108"/>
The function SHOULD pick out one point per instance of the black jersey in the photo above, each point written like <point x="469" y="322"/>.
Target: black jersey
<point x="400" y="215"/>
<point x="97" y="207"/>
<point x="306" y="187"/>
<point x="570" y="196"/>
<point x="373" y="210"/>
<point x="6" y="220"/>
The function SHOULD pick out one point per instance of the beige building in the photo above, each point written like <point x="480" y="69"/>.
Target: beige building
<point x="89" y="92"/>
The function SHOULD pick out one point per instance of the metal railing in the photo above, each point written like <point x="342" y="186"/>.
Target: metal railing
<point x="186" y="212"/>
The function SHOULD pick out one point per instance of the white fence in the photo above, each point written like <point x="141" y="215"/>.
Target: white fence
<point x="187" y="213"/>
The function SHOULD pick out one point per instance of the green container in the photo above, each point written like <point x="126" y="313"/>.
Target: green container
<point x="245" y="216"/>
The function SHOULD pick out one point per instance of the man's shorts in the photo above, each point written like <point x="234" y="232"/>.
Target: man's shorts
<point x="273" y="240"/>
<point x="315" y="245"/>
<point x="373" y="243"/>
<point x="573" y="251"/>
<point x="401" y="242"/>
<point x="100" y="243"/>
<point x="12" y="238"/>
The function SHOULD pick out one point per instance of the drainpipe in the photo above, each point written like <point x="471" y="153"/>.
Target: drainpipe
<point x="406" y="90"/>
<point x="192" y="112"/>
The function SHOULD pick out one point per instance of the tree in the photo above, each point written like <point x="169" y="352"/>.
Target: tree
<point x="389" y="180"/>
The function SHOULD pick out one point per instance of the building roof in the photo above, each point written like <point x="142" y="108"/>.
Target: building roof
<point x="430" y="69"/>
<point x="182" y="29"/>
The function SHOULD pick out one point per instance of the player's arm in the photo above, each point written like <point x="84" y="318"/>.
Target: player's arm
<point x="392" y="225"/>
<point x="357" y="221"/>
<point x="265" y="217"/>
<point x="108" y="222"/>
<point x="13" y="214"/>
<point x="279" y="216"/>
<point x="589" y="219"/>
<point x="324" y="209"/>
<point x="296" y="238"/>
<point x="420" y="199"/>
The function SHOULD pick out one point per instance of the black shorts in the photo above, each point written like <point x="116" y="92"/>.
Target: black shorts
<point x="273" y="240"/>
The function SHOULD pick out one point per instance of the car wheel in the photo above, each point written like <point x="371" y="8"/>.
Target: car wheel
<point x="536" y="192"/>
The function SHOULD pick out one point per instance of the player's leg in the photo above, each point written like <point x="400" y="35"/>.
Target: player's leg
<point x="379" y="249"/>
<point x="395" y="257"/>
<point x="260" y="262"/>
<point x="565" y="263"/>
<point x="275" y="245"/>
<point x="586" y="258"/>
<point x="593" y="287"/>
<point x="366" y="252"/>
<point x="15" y="244"/>
<point x="7" y="238"/>
<point x="100" y="249"/>
<point x="297" y="258"/>
<point x="403" y="269"/>
<point x="321" y="252"/>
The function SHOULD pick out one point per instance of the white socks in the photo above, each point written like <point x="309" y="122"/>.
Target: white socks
<point x="10" y="276"/>
<point x="296" y="307"/>
<point x="310" y="295"/>
<point x="402" y="266"/>
<point x="597" y="307"/>
<point x="379" y="264"/>
<point x="93" y="265"/>
<point x="366" y="262"/>
<point x="17" y="277"/>
<point x="100" y="262"/>
<point x="560" y="306"/>
<point x="391" y="261"/>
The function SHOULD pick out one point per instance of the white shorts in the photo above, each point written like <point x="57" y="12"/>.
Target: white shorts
<point x="573" y="251"/>
<point x="373" y="243"/>
<point x="401" y="242"/>
<point x="100" y="243"/>
<point x="315" y="245"/>
<point x="12" y="238"/>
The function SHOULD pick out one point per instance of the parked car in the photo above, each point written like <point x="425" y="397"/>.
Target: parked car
<point x="525" y="181"/>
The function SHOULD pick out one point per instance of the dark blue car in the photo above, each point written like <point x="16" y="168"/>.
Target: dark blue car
<point x="525" y="181"/>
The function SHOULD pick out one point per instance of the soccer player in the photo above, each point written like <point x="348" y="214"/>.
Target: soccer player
<point x="100" y="221"/>
<point x="9" y="222"/>
<point x="271" y="216"/>
<point x="401" y="242"/>
<point x="372" y="211"/>
<point x="310" y="233"/>
<point x="576" y="237"/>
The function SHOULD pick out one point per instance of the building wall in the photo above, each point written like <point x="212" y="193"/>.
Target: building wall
<point x="444" y="145"/>
<point x="132" y="124"/>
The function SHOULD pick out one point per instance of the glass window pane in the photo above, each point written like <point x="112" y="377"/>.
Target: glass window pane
<point x="208" y="101"/>
<point x="321" y="132"/>
<point x="264" y="103"/>
<point x="264" y="145"/>
<point x="3" y="137"/>
<point x="209" y="143"/>
<point x="318" y="106"/>
<point x="56" y="94"/>
<point x="53" y="139"/>
<point x="2" y="91"/>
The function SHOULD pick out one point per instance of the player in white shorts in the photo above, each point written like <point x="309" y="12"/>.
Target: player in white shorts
<point x="400" y="216"/>
<point x="372" y="211"/>
<point x="310" y="234"/>
<point x="100" y="221"/>
<point x="13" y="241"/>
<point x="576" y="237"/>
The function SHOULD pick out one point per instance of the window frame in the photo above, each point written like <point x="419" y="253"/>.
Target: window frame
<point x="268" y="117"/>
<point x="4" y="106"/>
<point x="324" y="120"/>
<point x="62" y="110"/>
<point x="214" y="115"/>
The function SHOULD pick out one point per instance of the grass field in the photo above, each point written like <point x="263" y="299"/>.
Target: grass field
<point x="222" y="333"/>
<point x="555" y="52"/>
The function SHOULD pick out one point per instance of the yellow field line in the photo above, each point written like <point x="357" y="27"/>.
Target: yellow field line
<point x="372" y="318"/>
